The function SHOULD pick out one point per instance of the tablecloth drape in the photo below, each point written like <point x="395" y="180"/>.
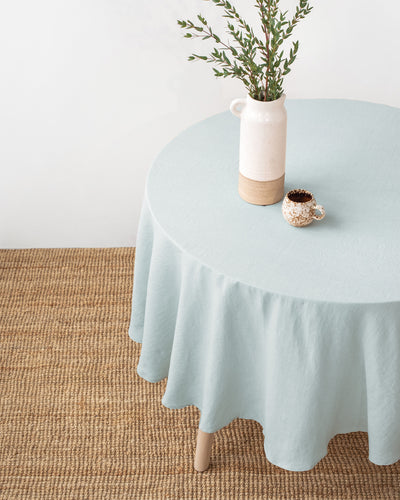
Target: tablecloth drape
<point x="306" y="368"/>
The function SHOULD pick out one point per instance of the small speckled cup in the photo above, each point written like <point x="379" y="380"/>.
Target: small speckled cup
<point x="299" y="208"/>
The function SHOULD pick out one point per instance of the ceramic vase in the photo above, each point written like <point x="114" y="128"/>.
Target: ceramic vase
<point x="262" y="151"/>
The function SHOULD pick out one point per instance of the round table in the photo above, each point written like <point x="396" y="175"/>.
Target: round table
<point x="249" y="317"/>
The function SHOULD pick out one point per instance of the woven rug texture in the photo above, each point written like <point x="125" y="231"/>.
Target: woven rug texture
<point x="77" y="422"/>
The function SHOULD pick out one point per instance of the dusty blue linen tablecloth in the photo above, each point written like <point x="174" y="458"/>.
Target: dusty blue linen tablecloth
<point x="247" y="316"/>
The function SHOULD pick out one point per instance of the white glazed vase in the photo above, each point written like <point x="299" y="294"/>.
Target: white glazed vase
<point x="262" y="151"/>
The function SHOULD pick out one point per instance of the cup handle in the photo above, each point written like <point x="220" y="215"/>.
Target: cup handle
<point x="237" y="106"/>
<point x="322" y="214"/>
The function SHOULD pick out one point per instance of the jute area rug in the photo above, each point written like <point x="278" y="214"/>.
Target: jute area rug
<point x="77" y="422"/>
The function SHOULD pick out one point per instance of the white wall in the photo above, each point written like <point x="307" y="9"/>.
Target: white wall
<point x="91" y="90"/>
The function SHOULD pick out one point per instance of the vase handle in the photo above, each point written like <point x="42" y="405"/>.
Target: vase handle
<point x="237" y="106"/>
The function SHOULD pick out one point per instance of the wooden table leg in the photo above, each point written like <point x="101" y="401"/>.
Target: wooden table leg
<point x="203" y="450"/>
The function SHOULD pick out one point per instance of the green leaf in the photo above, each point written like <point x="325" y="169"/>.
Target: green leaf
<point x="201" y="19"/>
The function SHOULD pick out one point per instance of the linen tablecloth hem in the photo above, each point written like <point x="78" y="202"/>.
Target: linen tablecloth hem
<point x="135" y="332"/>
<point x="383" y="462"/>
<point x="209" y="428"/>
<point x="148" y="378"/>
<point x="294" y="467"/>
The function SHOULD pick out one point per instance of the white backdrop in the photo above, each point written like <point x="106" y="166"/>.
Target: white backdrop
<point x="91" y="90"/>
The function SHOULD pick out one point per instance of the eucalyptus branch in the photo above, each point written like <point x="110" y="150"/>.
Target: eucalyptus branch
<point x="232" y="13"/>
<point x="247" y="55"/>
<point x="302" y="10"/>
<point x="246" y="67"/>
<point x="260" y="65"/>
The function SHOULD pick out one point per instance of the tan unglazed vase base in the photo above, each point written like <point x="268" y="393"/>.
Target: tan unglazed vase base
<point x="261" y="192"/>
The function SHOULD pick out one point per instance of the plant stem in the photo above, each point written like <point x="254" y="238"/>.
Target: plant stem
<point x="268" y="52"/>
